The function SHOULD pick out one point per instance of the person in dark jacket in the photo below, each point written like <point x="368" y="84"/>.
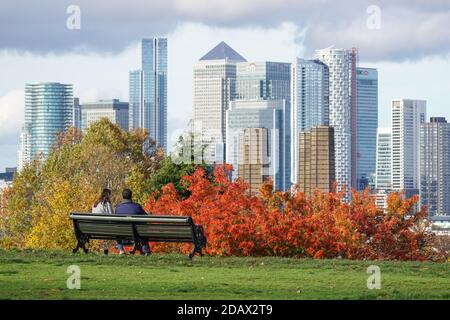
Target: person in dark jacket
<point x="130" y="208"/>
<point x="127" y="206"/>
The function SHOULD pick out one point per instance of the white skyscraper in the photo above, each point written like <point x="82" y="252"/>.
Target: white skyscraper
<point x="23" y="155"/>
<point x="383" y="177"/>
<point x="407" y="117"/>
<point x="342" y="106"/>
<point x="214" y="88"/>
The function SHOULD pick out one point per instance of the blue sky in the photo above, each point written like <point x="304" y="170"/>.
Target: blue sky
<point x="411" y="49"/>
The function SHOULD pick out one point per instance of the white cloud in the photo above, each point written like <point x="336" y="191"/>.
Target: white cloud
<point x="11" y="115"/>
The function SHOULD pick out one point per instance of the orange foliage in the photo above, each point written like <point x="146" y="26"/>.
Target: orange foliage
<point x="292" y="224"/>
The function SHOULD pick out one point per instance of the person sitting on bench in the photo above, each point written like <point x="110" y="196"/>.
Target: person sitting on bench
<point x="128" y="207"/>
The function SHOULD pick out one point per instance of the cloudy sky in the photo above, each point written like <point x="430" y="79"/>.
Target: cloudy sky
<point x="407" y="40"/>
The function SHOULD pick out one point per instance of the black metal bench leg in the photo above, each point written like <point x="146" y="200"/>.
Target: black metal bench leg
<point x="197" y="249"/>
<point x="138" y="246"/>
<point x="81" y="244"/>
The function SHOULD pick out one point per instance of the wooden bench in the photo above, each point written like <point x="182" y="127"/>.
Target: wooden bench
<point x="139" y="229"/>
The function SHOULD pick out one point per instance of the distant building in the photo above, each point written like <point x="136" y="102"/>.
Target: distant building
<point x="148" y="91"/>
<point x="48" y="111"/>
<point x="316" y="160"/>
<point x="435" y="167"/>
<point x="407" y="117"/>
<point x="268" y="80"/>
<point x="114" y="110"/>
<point x="267" y="114"/>
<point x="23" y="154"/>
<point x="214" y="88"/>
<point x="76" y="113"/>
<point x="8" y="175"/>
<point x="342" y="111"/>
<point x="383" y="177"/>
<point x="366" y="125"/>
<point x="310" y="103"/>
<point x="253" y="164"/>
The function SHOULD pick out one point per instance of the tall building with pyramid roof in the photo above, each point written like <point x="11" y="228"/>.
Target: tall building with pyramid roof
<point x="223" y="52"/>
<point x="214" y="88"/>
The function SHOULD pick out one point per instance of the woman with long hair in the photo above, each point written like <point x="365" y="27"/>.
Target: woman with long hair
<point x="103" y="204"/>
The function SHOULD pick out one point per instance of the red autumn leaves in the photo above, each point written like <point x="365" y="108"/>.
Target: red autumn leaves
<point x="292" y="224"/>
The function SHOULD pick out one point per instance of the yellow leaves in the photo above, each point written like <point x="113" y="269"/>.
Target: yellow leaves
<point x="51" y="225"/>
<point x="35" y="213"/>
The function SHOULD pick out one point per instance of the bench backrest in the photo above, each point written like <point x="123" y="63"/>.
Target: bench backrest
<point x="158" y="228"/>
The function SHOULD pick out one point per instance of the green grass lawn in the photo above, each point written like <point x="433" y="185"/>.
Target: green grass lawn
<point x="42" y="275"/>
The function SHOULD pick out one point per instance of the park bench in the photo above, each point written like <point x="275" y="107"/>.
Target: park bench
<point x="139" y="229"/>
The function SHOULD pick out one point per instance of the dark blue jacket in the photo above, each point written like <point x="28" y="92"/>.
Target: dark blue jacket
<point x="128" y="207"/>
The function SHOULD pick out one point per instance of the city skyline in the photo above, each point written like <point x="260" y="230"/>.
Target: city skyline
<point x="404" y="70"/>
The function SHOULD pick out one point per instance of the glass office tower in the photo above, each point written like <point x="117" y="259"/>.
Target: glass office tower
<point x="435" y="167"/>
<point x="366" y="125"/>
<point x="264" y="114"/>
<point x="269" y="80"/>
<point x="48" y="111"/>
<point x="148" y="91"/>
<point x="310" y="103"/>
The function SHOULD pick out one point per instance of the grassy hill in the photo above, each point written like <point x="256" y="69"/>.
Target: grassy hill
<point x="42" y="275"/>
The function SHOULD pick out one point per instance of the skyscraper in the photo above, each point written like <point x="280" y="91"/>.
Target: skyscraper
<point x="267" y="114"/>
<point x="316" y="159"/>
<point x="76" y="113"/>
<point x="383" y="177"/>
<point x="48" y="111"/>
<point x="435" y="167"/>
<point x="407" y="117"/>
<point x="366" y="125"/>
<point x="214" y="88"/>
<point x="268" y="81"/>
<point x="253" y="157"/>
<point x="114" y="110"/>
<point x="310" y="103"/>
<point x="148" y="91"/>
<point x="342" y="108"/>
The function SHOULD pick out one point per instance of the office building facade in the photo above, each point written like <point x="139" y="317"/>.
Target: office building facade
<point x="148" y="91"/>
<point x="267" y="114"/>
<point x="214" y="88"/>
<point x="342" y="109"/>
<point x="316" y="160"/>
<point x="114" y="110"/>
<point x="407" y="117"/>
<point x="383" y="177"/>
<point x="48" y="111"/>
<point x="253" y="164"/>
<point x="268" y="81"/>
<point x="366" y="125"/>
<point x="76" y="123"/>
<point x="310" y="103"/>
<point x="435" y="167"/>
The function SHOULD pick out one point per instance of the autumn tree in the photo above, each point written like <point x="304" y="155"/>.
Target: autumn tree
<point x="71" y="178"/>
